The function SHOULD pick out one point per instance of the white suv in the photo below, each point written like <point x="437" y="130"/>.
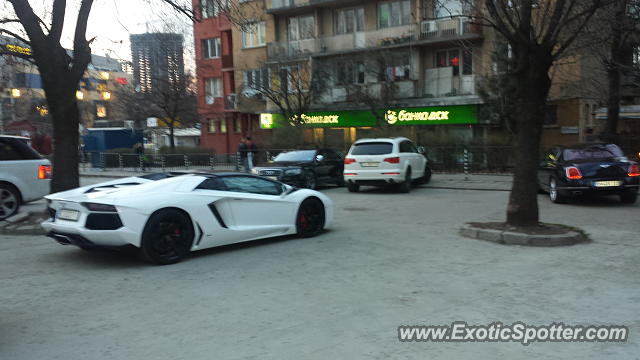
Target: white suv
<point x="24" y="174"/>
<point x="385" y="161"/>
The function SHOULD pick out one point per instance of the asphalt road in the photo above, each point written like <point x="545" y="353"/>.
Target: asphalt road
<point x="391" y="259"/>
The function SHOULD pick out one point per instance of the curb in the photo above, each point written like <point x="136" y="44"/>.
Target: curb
<point x="514" y="238"/>
<point x="22" y="224"/>
<point x="463" y="188"/>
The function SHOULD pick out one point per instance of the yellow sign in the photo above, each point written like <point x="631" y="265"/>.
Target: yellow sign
<point x="18" y="49"/>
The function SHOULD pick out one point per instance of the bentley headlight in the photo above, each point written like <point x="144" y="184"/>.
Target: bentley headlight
<point x="293" y="172"/>
<point x="254" y="171"/>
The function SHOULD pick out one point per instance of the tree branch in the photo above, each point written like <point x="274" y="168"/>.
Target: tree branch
<point x="57" y="19"/>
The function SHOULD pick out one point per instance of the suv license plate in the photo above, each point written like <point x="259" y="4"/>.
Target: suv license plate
<point x="369" y="164"/>
<point x="607" y="183"/>
<point x="70" y="215"/>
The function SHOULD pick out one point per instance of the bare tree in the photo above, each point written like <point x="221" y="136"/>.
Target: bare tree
<point x="539" y="32"/>
<point x="61" y="72"/>
<point x="621" y="29"/>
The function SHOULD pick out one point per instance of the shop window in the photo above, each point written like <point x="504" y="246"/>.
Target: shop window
<point x="394" y="13"/>
<point x="101" y="110"/>
<point x="551" y="115"/>
<point x="349" y="20"/>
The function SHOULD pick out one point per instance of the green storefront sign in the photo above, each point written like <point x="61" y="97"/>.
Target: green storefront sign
<point x="435" y="115"/>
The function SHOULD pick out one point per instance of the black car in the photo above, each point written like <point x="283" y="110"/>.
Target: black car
<point x="305" y="168"/>
<point x="583" y="169"/>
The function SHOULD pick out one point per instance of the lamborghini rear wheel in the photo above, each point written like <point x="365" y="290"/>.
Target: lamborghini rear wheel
<point x="167" y="237"/>
<point x="311" y="218"/>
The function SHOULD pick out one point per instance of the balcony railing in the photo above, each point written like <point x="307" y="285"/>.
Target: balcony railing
<point x="276" y="5"/>
<point x="448" y="28"/>
<point x="344" y="42"/>
<point x="440" y="82"/>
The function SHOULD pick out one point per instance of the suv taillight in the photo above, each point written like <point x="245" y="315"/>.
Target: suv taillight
<point x="44" y="172"/>
<point x="633" y="170"/>
<point x="392" y="160"/>
<point x="348" y="161"/>
<point x="573" y="173"/>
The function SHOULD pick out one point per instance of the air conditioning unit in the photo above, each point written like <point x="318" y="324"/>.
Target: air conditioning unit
<point x="429" y="26"/>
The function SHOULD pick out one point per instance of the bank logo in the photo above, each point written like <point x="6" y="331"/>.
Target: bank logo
<point x="391" y="117"/>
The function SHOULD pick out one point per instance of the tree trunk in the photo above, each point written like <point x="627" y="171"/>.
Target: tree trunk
<point x="616" y="58"/>
<point x="523" y="200"/>
<point x="66" y="119"/>
<point x="172" y="142"/>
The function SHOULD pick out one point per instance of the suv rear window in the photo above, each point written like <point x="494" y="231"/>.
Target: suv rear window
<point x="16" y="149"/>
<point x="372" y="148"/>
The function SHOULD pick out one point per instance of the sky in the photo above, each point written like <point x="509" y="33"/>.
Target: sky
<point x="111" y="22"/>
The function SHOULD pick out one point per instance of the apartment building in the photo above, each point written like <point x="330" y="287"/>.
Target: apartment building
<point x="429" y="50"/>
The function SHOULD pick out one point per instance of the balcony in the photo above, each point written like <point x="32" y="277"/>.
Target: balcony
<point x="341" y="43"/>
<point x="449" y="29"/>
<point x="282" y="6"/>
<point x="440" y="82"/>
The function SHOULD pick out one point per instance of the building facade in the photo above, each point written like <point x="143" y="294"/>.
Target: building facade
<point x="157" y="60"/>
<point x="411" y="67"/>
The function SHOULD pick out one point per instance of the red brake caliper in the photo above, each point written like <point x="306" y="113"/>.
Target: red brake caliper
<point x="303" y="221"/>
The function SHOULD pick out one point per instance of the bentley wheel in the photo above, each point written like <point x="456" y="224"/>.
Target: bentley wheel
<point x="167" y="237"/>
<point x="311" y="217"/>
<point x="9" y="201"/>
<point x="310" y="181"/>
<point x="353" y="187"/>
<point x="554" y="194"/>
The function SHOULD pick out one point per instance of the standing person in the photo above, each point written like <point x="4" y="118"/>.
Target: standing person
<point x="139" y="149"/>
<point x="251" y="149"/>
<point x="242" y="153"/>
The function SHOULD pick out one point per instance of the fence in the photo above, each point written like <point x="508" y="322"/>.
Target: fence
<point x="444" y="159"/>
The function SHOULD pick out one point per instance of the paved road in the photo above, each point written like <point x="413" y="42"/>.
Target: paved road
<point x="391" y="259"/>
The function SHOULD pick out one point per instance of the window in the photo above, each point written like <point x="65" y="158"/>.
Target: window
<point x="252" y="185"/>
<point x="212" y="184"/>
<point x="636" y="56"/>
<point x="211" y="8"/>
<point x="396" y="71"/>
<point x="15" y="149"/>
<point x="455" y="58"/>
<point x="551" y="115"/>
<point x="407" y="147"/>
<point x="237" y="126"/>
<point x="213" y="125"/>
<point x="372" y="148"/>
<point x="350" y="73"/>
<point x="253" y="34"/>
<point x="301" y="27"/>
<point x="394" y="13"/>
<point x="101" y="110"/>
<point x="290" y="79"/>
<point x="212" y="89"/>
<point x="211" y="48"/>
<point x="448" y="8"/>
<point x="349" y="20"/>
<point x="223" y="126"/>
<point x="255" y="79"/>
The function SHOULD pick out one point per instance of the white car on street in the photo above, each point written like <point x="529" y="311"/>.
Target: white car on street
<point x="385" y="161"/>
<point x="168" y="215"/>
<point x="24" y="174"/>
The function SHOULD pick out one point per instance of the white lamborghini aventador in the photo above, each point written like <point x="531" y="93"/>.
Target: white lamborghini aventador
<point x="168" y="215"/>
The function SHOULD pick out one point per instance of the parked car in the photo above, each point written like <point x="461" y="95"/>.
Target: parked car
<point x="304" y="168"/>
<point x="385" y="161"/>
<point x="571" y="171"/>
<point x="167" y="216"/>
<point x="24" y="174"/>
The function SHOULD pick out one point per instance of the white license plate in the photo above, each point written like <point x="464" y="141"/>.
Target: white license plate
<point x="607" y="183"/>
<point x="272" y="177"/>
<point x="369" y="164"/>
<point x="70" y="215"/>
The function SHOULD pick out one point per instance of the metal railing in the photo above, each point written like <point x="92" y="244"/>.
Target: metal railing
<point x="443" y="159"/>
